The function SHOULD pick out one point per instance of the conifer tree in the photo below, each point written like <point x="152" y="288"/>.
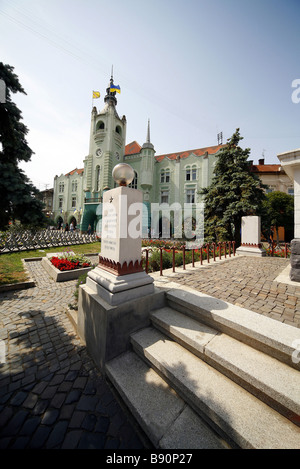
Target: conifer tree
<point x="234" y="192"/>
<point x="17" y="194"/>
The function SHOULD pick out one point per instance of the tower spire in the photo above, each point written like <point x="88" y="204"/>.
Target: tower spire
<point x="110" y="97"/>
<point x="148" y="132"/>
<point x="148" y="143"/>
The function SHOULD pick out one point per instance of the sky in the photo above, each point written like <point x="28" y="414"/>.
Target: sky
<point x="195" y="68"/>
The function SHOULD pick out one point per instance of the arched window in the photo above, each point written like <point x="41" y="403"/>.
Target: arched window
<point x="191" y="173"/>
<point x="74" y="185"/>
<point x="100" y="125"/>
<point x="133" y="184"/>
<point x="119" y="130"/>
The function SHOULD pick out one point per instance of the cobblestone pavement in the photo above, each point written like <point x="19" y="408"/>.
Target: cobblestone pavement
<point x="248" y="282"/>
<point x="51" y="394"/>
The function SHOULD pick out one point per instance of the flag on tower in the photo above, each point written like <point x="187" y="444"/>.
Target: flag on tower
<point x="115" y="88"/>
<point x="96" y="94"/>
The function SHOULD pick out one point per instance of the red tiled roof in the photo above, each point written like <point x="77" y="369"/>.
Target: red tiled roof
<point x="132" y="148"/>
<point x="76" y="170"/>
<point x="267" y="168"/>
<point x="185" y="154"/>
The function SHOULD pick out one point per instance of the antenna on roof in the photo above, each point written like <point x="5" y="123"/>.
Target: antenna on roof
<point x="220" y="138"/>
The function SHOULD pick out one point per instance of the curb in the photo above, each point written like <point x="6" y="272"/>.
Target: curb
<point x="21" y="285"/>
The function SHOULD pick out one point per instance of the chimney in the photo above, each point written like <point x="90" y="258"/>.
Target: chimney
<point x="261" y="162"/>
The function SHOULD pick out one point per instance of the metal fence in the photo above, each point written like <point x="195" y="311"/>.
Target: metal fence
<point x="209" y="252"/>
<point x="24" y="240"/>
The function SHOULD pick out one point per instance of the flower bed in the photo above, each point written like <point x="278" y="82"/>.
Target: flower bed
<point x="63" y="264"/>
<point x="66" y="266"/>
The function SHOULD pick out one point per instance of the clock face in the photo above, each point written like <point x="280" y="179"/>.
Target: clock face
<point x="99" y="152"/>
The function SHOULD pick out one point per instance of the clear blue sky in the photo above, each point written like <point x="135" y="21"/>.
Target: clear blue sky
<point x="193" y="67"/>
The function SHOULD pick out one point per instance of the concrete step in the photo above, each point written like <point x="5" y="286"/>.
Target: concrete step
<point x="233" y="411"/>
<point x="272" y="381"/>
<point x="260" y="332"/>
<point x="158" y="409"/>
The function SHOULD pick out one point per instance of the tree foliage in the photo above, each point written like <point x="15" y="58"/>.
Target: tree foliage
<point x="17" y="194"/>
<point x="234" y="192"/>
<point x="278" y="210"/>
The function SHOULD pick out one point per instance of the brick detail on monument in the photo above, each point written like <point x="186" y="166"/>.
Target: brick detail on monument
<point x="117" y="269"/>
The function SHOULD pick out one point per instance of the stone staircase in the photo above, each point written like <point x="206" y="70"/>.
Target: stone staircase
<point x="208" y="374"/>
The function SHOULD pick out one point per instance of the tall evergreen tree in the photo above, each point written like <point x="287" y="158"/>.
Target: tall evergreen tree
<point x="17" y="194"/>
<point x="234" y="192"/>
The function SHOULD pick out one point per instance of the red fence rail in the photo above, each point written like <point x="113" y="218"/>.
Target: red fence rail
<point x="208" y="251"/>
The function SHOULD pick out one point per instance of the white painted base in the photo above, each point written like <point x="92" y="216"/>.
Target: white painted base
<point x="248" y="251"/>
<point x="118" y="289"/>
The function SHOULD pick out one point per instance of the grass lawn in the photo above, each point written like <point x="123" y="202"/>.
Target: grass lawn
<point x="11" y="265"/>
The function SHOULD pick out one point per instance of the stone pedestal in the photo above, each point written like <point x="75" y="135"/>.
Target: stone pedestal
<point x="119" y="276"/>
<point x="118" y="295"/>
<point x="251" y="237"/>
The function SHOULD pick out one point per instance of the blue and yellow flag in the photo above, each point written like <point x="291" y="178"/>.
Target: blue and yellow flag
<point x="115" y="88"/>
<point x="96" y="94"/>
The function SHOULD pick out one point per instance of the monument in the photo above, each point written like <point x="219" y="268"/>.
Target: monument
<point x="119" y="276"/>
<point x="290" y="162"/>
<point x="118" y="295"/>
<point x="251" y="237"/>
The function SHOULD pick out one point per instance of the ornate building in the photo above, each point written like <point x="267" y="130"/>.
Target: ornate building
<point x="163" y="179"/>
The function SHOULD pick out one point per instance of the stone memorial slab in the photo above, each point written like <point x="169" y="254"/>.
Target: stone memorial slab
<point x="251" y="237"/>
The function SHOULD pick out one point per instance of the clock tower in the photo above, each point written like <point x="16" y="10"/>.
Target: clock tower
<point x="106" y="149"/>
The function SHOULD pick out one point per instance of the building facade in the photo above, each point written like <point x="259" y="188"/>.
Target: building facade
<point x="274" y="176"/>
<point x="175" y="178"/>
<point x="164" y="180"/>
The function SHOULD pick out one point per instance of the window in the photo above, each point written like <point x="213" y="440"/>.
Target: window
<point x="164" y="197"/>
<point x="61" y="187"/>
<point x="190" y="196"/>
<point x="60" y="202"/>
<point x="191" y="173"/>
<point x="291" y="191"/>
<point x="119" y="130"/>
<point x="165" y="175"/>
<point x="73" y="201"/>
<point x="133" y="184"/>
<point x="98" y="173"/>
<point x="74" y="186"/>
<point x="100" y="125"/>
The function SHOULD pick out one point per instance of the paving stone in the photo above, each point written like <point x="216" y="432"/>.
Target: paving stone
<point x="57" y="370"/>
<point x="45" y="358"/>
<point x="57" y="434"/>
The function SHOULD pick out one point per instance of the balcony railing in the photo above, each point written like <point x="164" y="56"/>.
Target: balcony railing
<point x="93" y="200"/>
